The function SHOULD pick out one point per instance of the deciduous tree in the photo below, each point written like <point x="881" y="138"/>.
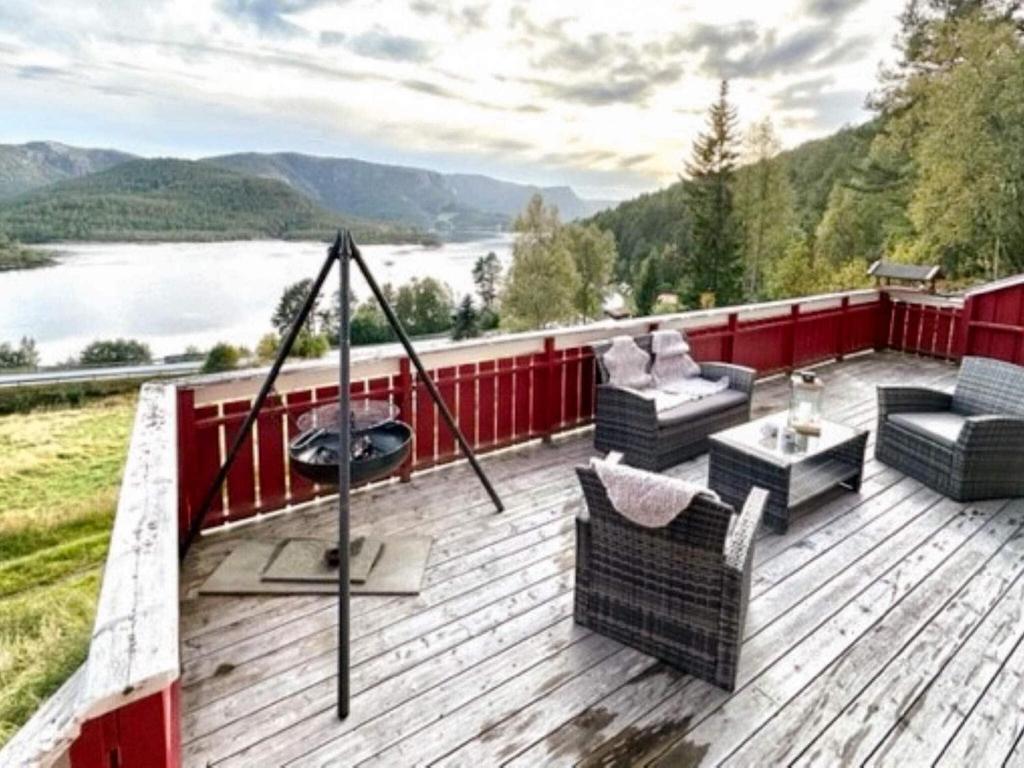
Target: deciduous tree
<point x="542" y="280"/>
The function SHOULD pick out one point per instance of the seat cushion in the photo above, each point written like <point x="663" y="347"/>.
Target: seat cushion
<point x="940" y="426"/>
<point x="674" y="412"/>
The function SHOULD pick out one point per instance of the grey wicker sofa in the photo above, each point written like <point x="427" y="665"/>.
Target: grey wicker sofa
<point x="968" y="445"/>
<point x="678" y="593"/>
<point x="629" y="423"/>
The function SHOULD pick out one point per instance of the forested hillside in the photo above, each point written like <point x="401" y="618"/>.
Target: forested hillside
<point x="446" y="203"/>
<point x="662" y="219"/>
<point x="24" y="167"/>
<point x="937" y="177"/>
<point x="176" y="200"/>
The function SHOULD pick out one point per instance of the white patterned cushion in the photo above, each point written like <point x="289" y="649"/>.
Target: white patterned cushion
<point x="627" y="364"/>
<point x="672" y="361"/>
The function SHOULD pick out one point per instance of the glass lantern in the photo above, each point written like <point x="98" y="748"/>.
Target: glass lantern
<point x="807" y="391"/>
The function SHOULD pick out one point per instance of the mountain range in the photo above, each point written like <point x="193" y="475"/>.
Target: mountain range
<point x="168" y="199"/>
<point x="47" y="180"/>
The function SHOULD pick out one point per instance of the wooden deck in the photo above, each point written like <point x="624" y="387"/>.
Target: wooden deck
<point x="884" y="627"/>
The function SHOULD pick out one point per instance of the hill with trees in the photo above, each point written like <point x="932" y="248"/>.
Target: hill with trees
<point x="937" y="177"/>
<point x="24" y="167"/>
<point x="167" y="199"/>
<point x="452" y="204"/>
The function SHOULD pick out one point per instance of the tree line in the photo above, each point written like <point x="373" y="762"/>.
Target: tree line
<point x="935" y="178"/>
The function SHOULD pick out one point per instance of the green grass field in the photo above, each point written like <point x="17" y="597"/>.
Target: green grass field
<point x="59" y="474"/>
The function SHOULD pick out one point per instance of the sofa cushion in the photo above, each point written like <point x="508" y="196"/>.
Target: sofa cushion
<point x="940" y="426"/>
<point x="627" y="364"/>
<point x="673" y="411"/>
<point x="672" y="361"/>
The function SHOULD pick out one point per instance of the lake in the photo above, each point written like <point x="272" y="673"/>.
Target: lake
<point x="173" y="295"/>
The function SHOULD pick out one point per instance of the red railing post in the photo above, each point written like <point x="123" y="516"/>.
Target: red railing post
<point x="962" y="336"/>
<point x="883" y="321"/>
<point x="729" y="343"/>
<point x="145" y="732"/>
<point x="794" y="321"/>
<point x="405" y="411"/>
<point x="186" y="431"/>
<point x="844" y="308"/>
<point x="550" y="386"/>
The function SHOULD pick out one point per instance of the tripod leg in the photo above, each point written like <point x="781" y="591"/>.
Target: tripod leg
<point x="344" y="481"/>
<point x="467" y="450"/>
<point x="268" y="384"/>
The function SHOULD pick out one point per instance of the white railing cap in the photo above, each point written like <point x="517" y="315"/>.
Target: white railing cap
<point x="383" y="360"/>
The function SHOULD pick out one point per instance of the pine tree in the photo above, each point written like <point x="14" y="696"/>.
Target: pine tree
<point x="486" y="274"/>
<point x="645" y="292"/>
<point x="467" y="320"/>
<point x="715" y="266"/>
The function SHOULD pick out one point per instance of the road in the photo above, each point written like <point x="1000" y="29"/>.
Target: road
<point x="99" y="374"/>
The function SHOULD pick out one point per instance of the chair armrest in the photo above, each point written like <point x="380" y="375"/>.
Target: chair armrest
<point x="625" y="404"/>
<point x="911" y="399"/>
<point x="740" y="541"/>
<point x="740" y="377"/>
<point x="993" y="434"/>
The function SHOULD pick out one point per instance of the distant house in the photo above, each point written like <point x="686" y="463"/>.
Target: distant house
<point x="920" y="275"/>
<point x="667" y="300"/>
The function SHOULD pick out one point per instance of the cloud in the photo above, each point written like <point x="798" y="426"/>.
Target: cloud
<point x="330" y="37"/>
<point x="834" y="10"/>
<point x="595" y="69"/>
<point x="604" y="91"/>
<point x="468" y="18"/>
<point x="816" y="105"/>
<point x="379" y="44"/>
<point x="38" y="72"/>
<point x="269" y="16"/>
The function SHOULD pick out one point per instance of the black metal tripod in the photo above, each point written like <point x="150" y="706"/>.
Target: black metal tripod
<point x="342" y="250"/>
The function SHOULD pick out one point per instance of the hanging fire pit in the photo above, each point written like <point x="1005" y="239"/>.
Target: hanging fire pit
<point x="380" y="443"/>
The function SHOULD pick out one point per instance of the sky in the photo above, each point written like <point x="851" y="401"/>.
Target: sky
<point x="604" y="96"/>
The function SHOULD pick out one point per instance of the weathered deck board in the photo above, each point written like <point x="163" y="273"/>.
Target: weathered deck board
<point x="874" y="618"/>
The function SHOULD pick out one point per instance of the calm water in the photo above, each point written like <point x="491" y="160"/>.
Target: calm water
<point x="177" y="294"/>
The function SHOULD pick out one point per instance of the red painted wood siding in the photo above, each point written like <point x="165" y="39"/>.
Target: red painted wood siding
<point x="146" y="732"/>
<point x="496" y="403"/>
<point x="506" y="400"/>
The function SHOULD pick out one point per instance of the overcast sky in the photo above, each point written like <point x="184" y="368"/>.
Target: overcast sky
<point x="606" y="96"/>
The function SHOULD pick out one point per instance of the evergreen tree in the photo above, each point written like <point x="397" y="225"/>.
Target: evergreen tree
<point x="542" y="279"/>
<point x="715" y="266"/>
<point x="486" y="275"/>
<point x="467" y="320"/>
<point x="292" y="299"/>
<point x="645" y="291"/>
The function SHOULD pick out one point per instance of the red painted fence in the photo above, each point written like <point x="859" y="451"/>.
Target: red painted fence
<point x="542" y="385"/>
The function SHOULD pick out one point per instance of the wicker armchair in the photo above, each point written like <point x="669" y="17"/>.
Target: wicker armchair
<point x="629" y="423"/>
<point x="679" y="593"/>
<point x="968" y="445"/>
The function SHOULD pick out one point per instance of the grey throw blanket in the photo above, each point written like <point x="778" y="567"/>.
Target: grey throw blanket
<point x="645" y="498"/>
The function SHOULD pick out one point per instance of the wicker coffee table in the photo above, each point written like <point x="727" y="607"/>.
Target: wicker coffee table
<point x="743" y="457"/>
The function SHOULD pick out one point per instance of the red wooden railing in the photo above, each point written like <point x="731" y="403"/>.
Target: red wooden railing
<point x="503" y="391"/>
<point x="925" y="325"/>
<point x="994" y="321"/>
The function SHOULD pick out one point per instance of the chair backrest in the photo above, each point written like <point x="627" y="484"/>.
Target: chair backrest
<point x="989" y="387"/>
<point x="643" y="341"/>
<point x="705" y="524"/>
